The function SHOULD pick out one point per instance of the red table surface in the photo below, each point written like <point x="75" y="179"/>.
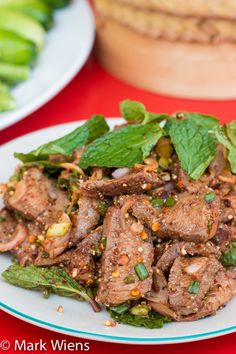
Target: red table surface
<point x="95" y="91"/>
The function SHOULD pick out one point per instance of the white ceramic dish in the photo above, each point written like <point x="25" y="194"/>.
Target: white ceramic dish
<point x="78" y="319"/>
<point x="68" y="45"/>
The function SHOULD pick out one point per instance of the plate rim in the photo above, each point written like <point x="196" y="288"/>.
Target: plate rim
<point x="99" y="336"/>
<point x="19" y="114"/>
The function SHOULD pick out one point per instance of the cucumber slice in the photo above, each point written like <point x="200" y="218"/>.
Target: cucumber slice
<point x="15" y="49"/>
<point x="37" y="9"/>
<point x="6" y="100"/>
<point x="13" y="74"/>
<point x="57" y="4"/>
<point x="23" y="26"/>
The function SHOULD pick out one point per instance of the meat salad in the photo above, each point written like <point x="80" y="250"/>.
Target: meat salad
<point x="140" y="220"/>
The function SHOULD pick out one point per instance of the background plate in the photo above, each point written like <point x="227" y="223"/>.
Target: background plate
<point x="68" y="45"/>
<point x="78" y="318"/>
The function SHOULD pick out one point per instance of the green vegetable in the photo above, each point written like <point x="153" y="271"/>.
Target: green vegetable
<point x="130" y="279"/>
<point x="194" y="287"/>
<point x="81" y="136"/>
<point x="169" y="202"/>
<point x="222" y="139"/>
<point x="136" y="111"/>
<point x="37" y="9"/>
<point x="141" y="271"/>
<point x="210" y="197"/>
<point x="153" y="320"/>
<point x="229" y="258"/>
<point x="231" y="132"/>
<point x="194" y="146"/>
<point x="6" y="100"/>
<point x="203" y="120"/>
<point x="15" y="49"/>
<point x="12" y="74"/>
<point x="120" y="308"/>
<point x="57" y="4"/>
<point x="140" y="310"/>
<point x="23" y="26"/>
<point x="53" y="279"/>
<point x="2" y="219"/>
<point x="157" y="202"/>
<point x="122" y="147"/>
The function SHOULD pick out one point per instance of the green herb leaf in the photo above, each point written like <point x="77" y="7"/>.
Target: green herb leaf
<point x="222" y="139"/>
<point x="120" y="308"/>
<point x="231" y="132"/>
<point x="229" y="258"/>
<point x="194" y="146"/>
<point x="203" y="120"/>
<point x="122" y="147"/>
<point x="81" y="136"/>
<point x="153" y="320"/>
<point x="2" y="219"/>
<point x="53" y="279"/>
<point x="136" y="111"/>
<point x="194" y="287"/>
<point x="132" y="110"/>
<point x="169" y="201"/>
<point x="210" y="197"/>
<point x="157" y="202"/>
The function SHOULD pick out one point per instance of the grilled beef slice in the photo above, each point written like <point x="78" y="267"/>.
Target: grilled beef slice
<point x="135" y="183"/>
<point x="124" y="250"/>
<point x="37" y="198"/>
<point x="190" y="219"/>
<point x="87" y="218"/>
<point x="186" y="272"/>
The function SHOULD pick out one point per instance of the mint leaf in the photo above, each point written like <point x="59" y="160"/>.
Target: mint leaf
<point x="132" y="110"/>
<point x="153" y="320"/>
<point x="122" y="147"/>
<point x="203" y="120"/>
<point x="231" y="132"/>
<point x="53" y="279"/>
<point x="136" y="111"/>
<point x="194" y="146"/>
<point x="222" y="139"/>
<point x="81" y="136"/>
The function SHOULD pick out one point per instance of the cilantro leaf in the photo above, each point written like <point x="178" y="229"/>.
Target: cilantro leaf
<point x="222" y="139"/>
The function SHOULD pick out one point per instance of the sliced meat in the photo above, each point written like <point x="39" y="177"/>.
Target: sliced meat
<point x="177" y="249"/>
<point x="43" y="260"/>
<point x="135" y="183"/>
<point x="223" y="237"/>
<point x="7" y="225"/>
<point x="190" y="219"/>
<point x="55" y="245"/>
<point x="186" y="272"/>
<point x="222" y="291"/>
<point x="37" y="198"/>
<point x="82" y="265"/>
<point x="87" y="218"/>
<point x="124" y="250"/>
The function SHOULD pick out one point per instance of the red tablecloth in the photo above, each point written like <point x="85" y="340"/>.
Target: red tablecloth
<point x="94" y="91"/>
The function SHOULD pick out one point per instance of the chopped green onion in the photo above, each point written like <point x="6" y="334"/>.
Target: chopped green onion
<point x="169" y="202"/>
<point x="194" y="287"/>
<point x="122" y="308"/>
<point x="102" y="208"/>
<point x="228" y="259"/>
<point x="58" y="230"/>
<point x="141" y="271"/>
<point x="163" y="163"/>
<point x="210" y="197"/>
<point x="140" y="310"/>
<point x="2" y="219"/>
<point x="157" y="202"/>
<point x="104" y="242"/>
<point x="130" y="279"/>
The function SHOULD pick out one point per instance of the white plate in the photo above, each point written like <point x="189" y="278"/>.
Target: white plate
<point x="78" y="319"/>
<point x="68" y="45"/>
